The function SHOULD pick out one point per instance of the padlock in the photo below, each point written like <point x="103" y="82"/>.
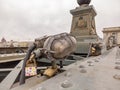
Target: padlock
<point x="31" y="68"/>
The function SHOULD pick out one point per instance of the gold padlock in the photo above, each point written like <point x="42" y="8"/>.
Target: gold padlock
<point x="31" y="68"/>
<point x="50" y="71"/>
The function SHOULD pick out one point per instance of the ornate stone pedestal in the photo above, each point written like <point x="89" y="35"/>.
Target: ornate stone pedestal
<point x="83" y="23"/>
<point x="83" y="26"/>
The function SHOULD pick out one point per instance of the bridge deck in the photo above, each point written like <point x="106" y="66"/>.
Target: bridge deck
<point x="99" y="73"/>
<point x="95" y="73"/>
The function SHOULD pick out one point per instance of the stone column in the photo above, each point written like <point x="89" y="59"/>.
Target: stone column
<point x="83" y="22"/>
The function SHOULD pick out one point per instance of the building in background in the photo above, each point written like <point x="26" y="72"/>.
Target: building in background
<point x="111" y="36"/>
<point x="14" y="46"/>
<point x="5" y="43"/>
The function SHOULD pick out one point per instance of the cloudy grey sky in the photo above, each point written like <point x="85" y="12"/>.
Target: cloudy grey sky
<point x="28" y="19"/>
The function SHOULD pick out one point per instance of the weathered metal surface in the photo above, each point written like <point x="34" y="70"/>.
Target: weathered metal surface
<point x="62" y="44"/>
<point x="9" y="80"/>
<point x="99" y="75"/>
<point x="31" y="82"/>
<point x="11" y="60"/>
<point x="83" y="48"/>
<point x="11" y="57"/>
<point x="94" y="73"/>
<point x="65" y="62"/>
<point x="10" y="69"/>
<point x="6" y="69"/>
<point x="8" y="50"/>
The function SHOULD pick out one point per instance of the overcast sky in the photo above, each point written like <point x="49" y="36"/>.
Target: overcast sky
<point x="29" y="19"/>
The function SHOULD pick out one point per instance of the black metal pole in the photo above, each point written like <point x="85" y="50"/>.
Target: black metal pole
<point x="22" y="76"/>
<point x="61" y="64"/>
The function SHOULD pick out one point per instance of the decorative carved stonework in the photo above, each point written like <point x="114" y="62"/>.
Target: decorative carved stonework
<point x="83" y="22"/>
<point x="80" y="24"/>
<point x="111" y="36"/>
